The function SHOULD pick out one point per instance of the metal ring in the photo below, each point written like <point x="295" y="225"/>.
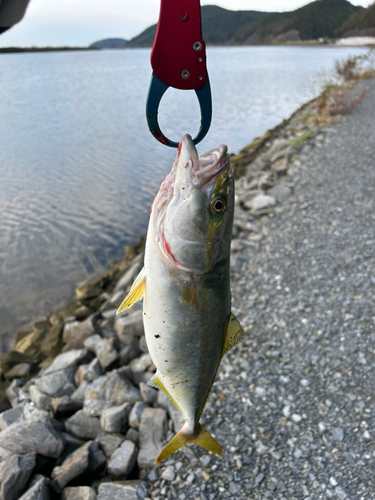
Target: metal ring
<point x="197" y="46"/>
<point x="185" y="74"/>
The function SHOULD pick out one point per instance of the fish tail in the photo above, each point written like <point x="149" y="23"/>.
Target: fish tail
<point x="183" y="437"/>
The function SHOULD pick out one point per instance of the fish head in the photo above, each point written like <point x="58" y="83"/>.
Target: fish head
<point x="193" y="212"/>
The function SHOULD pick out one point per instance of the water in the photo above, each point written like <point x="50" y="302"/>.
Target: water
<point x="79" y="169"/>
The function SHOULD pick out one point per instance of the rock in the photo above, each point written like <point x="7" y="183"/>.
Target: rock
<point x="103" y="349"/>
<point x="83" y="460"/>
<point x="119" y="389"/>
<point x="280" y="192"/>
<point x="67" y="360"/>
<point x="115" y="419"/>
<point x="260" y="202"/>
<point x="4" y="454"/>
<point x="129" y="276"/>
<point x="337" y="433"/>
<point x="121" y="490"/>
<point x="129" y="327"/>
<point x="136" y="414"/>
<point x="109" y="443"/>
<point x="130" y="352"/>
<point x="88" y="372"/>
<point x="153" y="432"/>
<point x="82" y="312"/>
<point x="8" y="417"/>
<point x="165" y="402"/>
<point x="79" y="394"/>
<point x="76" y="336"/>
<point x="39" y="399"/>
<point x="65" y="404"/>
<point x="22" y="370"/>
<point x="132" y="435"/>
<point x="33" y="414"/>
<point x="82" y="426"/>
<point x="168" y="473"/>
<point x="281" y="154"/>
<point x="149" y="394"/>
<point x="90" y="288"/>
<point x="123" y="460"/>
<point x="14" y="475"/>
<point x="27" y="437"/>
<point x="95" y="407"/>
<point x="79" y="493"/>
<point x="12" y="392"/>
<point x="143" y="344"/>
<point x="57" y="384"/>
<point x="141" y="364"/>
<point x="38" y="491"/>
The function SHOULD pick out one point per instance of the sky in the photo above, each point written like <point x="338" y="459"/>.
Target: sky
<point x="81" y="22"/>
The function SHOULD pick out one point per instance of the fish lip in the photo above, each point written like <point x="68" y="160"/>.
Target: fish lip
<point x="201" y="170"/>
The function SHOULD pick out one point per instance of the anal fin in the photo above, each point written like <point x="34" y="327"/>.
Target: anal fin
<point x="234" y="334"/>
<point x="157" y="383"/>
<point x="136" y="293"/>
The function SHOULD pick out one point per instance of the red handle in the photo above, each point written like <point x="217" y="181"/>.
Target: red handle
<point x="178" y="56"/>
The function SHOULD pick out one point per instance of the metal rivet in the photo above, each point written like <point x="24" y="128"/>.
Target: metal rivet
<point x="197" y="46"/>
<point x="200" y="59"/>
<point x="185" y="17"/>
<point x="201" y="78"/>
<point x="185" y="74"/>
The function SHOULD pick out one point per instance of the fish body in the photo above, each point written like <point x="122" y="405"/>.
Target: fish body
<point x="185" y="284"/>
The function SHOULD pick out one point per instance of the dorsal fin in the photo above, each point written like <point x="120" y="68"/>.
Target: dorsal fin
<point x="136" y="293"/>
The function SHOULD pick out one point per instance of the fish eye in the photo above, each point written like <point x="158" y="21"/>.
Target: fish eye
<point x="218" y="205"/>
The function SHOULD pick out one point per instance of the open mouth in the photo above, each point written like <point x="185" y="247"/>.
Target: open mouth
<point x="210" y="165"/>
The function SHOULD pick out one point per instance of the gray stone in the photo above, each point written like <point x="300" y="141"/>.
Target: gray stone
<point x="82" y="426"/>
<point x="115" y="300"/>
<point x="103" y="349"/>
<point x="57" y="384"/>
<point x="260" y="202"/>
<point x="8" y="417"/>
<point x="38" y="491"/>
<point x="76" y="336"/>
<point x="114" y="387"/>
<point x="123" y="460"/>
<point x="67" y="360"/>
<point x="132" y="435"/>
<point x="165" y="402"/>
<point x="95" y="407"/>
<point x="142" y="363"/>
<point x="143" y="344"/>
<point x="341" y="495"/>
<point x="128" y="277"/>
<point x="88" y="372"/>
<point x="21" y="370"/>
<point x="65" y="404"/>
<point x="38" y="437"/>
<point x="280" y="192"/>
<point x="130" y="326"/>
<point x="82" y="460"/>
<point x="12" y="392"/>
<point x="79" y="493"/>
<point x="14" y="475"/>
<point x="149" y="394"/>
<point x="39" y="399"/>
<point x="4" y="454"/>
<point x="153" y="432"/>
<point x="33" y="414"/>
<point x="80" y="393"/>
<point x="109" y="443"/>
<point x="115" y="419"/>
<point x="338" y="434"/>
<point x="136" y="414"/>
<point x="130" y="352"/>
<point x="121" y="490"/>
<point x="168" y="473"/>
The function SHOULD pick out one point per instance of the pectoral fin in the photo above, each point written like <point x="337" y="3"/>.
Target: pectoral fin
<point x="136" y="293"/>
<point x="234" y="334"/>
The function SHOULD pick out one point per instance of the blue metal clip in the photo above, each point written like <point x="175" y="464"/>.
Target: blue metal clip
<point x="157" y="90"/>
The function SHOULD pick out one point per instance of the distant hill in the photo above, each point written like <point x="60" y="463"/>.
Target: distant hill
<point x="109" y="43"/>
<point x="361" y="23"/>
<point x="218" y="26"/>
<point x="316" y="20"/>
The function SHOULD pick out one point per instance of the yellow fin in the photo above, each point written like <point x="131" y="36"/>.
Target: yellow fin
<point x="234" y="335"/>
<point x="189" y="297"/>
<point x="157" y="382"/>
<point x="136" y="292"/>
<point x="203" y="439"/>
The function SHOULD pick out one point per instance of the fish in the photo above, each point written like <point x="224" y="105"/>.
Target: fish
<point x="185" y="285"/>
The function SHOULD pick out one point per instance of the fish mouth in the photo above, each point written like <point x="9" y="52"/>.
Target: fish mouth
<point x="204" y="169"/>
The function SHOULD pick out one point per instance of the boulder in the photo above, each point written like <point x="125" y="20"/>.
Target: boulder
<point x="123" y="460"/>
<point x="152" y="433"/>
<point x="39" y="399"/>
<point x="103" y="350"/>
<point x="120" y="490"/>
<point x="130" y="326"/>
<point x="67" y="360"/>
<point x="115" y="419"/>
<point x="79" y="493"/>
<point x="38" y="491"/>
<point x="57" y="384"/>
<point x="136" y="414"/>
<point x="82" y="426"/>
<point x="109" y="443"/>
<point x="149" y="394"/>
<point x="88" y="372"/>
<point x="29" y="437"/>
<point x="14" y="475"/>
<point x="8" y="417"/>
<point x="260" y="202"/>
<point x="75" y="336"/>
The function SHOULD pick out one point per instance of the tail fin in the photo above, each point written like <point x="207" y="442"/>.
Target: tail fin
<point x="203" y="439"/>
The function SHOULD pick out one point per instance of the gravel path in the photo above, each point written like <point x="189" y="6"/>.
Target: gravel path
<point x="294" y="404"/>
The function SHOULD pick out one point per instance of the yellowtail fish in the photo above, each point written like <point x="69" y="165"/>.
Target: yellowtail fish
<point x="185" y="285"/>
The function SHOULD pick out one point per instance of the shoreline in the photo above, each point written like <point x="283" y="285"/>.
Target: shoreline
<point x="76" y="380"/>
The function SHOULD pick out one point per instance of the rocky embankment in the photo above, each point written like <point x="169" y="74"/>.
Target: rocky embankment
<point x="78" y="420"/>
